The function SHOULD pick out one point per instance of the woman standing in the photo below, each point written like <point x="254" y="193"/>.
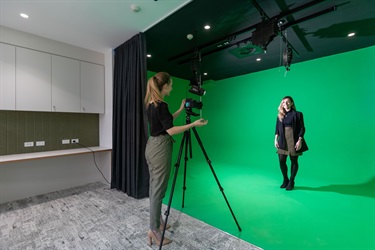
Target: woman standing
<point x="159" y="148"/>
<point x="290" y="129"/>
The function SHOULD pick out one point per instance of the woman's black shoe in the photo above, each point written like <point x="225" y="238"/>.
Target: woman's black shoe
<point x="285" y="184"/>
<point x="290" y="185"/>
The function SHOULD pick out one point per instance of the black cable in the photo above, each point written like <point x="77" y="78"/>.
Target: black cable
<point x="93" y="153"/>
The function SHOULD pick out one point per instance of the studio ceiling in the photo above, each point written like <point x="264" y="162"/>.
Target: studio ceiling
<point x="313" y="29"/>
<point x="100" y="25"/>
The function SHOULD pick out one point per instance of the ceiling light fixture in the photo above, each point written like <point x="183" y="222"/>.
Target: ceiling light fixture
<point x="24" y="15"/>
<point x="259" y="59"/>
<point x="351" y="34"/>
<point x="207" y="27"/>
<point x="148" y="55"/>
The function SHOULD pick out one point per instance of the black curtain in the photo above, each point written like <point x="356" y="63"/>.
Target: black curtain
<point x="129" y="167"/>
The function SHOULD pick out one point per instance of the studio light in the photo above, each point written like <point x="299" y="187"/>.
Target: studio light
<point x="195" y="89"/>
<point x="287" y="57"/>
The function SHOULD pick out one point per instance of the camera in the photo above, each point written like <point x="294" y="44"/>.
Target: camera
<point x="190" y="104"/>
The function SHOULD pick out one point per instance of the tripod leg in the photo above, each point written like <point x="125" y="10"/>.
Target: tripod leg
<point x="213" y="172"/>
<point x="173" y="186"/>
<point x="187" y="143"/>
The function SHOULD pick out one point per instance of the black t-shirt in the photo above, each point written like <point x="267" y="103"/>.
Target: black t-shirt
<point x="288" y="119"/>
<point x="159" y="118"/>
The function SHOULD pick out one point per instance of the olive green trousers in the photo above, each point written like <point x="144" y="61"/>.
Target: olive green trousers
<point x="159" y="160"/>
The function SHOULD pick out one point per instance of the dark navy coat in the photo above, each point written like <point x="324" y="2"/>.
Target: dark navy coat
<point x="298" y="126"/>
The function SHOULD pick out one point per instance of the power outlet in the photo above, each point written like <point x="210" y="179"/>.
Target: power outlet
<point x="28" y="144"/>
<point x="40" y="143"/>
<point x="75" y="140"/>
<point x="65" y="141"/>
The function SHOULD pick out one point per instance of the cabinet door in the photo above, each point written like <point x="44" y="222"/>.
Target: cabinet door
<point x="66" y="90"/>
<point x="7" y="77"/>
<point x="33" y="80"/>
<point x="92" y="88"/>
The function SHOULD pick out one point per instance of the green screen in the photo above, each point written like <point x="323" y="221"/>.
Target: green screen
<point x="333" y="203"/>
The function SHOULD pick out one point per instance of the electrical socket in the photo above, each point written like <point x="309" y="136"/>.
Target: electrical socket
<point x="28" y="144"/>
<point x="75" y="140"/>
<point x="65" y="141"/>
<point x="40" y="143"/>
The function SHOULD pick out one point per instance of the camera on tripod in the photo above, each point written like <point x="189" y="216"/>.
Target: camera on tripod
<point x="190" y="104"/>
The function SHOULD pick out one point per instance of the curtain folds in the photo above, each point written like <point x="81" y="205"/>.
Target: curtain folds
<point x="129" y="167"/>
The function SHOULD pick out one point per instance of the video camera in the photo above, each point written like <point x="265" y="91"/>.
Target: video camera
<point x="190" y="104"/>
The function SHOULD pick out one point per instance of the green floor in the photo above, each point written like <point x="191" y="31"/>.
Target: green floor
<point x="315" y="215"/>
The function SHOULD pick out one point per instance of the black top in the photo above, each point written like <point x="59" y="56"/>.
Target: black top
<point x="160" y="119"/>
<point x="288" y="119"/>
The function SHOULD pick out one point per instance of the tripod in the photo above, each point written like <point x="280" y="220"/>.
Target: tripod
<point x="186" y="140"/>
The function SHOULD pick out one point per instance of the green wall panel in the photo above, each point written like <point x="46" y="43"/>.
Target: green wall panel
<point x="17" y="127"/>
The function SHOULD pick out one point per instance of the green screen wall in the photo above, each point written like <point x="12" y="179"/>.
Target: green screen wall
<point x="332" y="206"/>
<point x="336" y="95"/>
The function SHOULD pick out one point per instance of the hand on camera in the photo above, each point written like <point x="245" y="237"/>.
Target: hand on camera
<point x="200" y="122"/>
<point x="182" y="105"/>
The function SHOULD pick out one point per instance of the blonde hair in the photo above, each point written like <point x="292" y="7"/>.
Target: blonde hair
<point x="154" y="87"/>
<point x="281" y="109"/>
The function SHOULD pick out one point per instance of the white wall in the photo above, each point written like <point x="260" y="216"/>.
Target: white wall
<point x="24" y="179"/>
<point x="29" y="178"/>
<point x="106" y="118"/>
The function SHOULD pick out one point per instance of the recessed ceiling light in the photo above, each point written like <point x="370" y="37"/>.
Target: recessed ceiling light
<point x="148" y="55"/>
<point x="207" y="27"/>
<point x="24" y="15"/>
<point x="205" y="73"/>
<point x="351" y="34"/>
<point x="259" y="59"/>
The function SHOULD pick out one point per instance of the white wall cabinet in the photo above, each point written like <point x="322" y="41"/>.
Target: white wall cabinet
<point x="33" y="80"/>
<point x="7" y="77"/>
<point x="66" y="90"/>
<point x="37" y="81"/>
<point x="92" y="88"/>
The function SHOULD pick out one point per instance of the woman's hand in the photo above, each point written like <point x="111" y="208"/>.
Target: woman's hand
<point x="200" y="122"/>
<point x="182" y="105"/>
<point x="298" y="145"/>
<point x="178" y="112"/>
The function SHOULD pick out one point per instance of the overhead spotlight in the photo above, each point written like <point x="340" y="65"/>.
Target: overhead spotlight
<point x="280" y="22"/>
<point x="287" y="57"/>
<point x="351" y="34"/>
<point x="197" y="90"/>
<point x="207" y="27"/>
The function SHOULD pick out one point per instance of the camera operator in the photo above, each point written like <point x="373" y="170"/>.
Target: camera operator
<point x="159" y="148"/>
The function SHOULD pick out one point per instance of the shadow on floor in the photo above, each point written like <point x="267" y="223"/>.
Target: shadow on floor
<point x="366" y="189"/>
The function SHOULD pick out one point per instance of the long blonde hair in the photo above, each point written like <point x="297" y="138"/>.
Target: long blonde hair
<point x="154" y="87"/>
<point x="281" y="109"/>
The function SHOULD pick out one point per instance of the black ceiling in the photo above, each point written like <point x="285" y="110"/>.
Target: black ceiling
<point x="244" y="30"/>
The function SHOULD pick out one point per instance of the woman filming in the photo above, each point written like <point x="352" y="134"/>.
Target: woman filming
<point x="159" y="148"/>
<point x="290" y="129"/>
